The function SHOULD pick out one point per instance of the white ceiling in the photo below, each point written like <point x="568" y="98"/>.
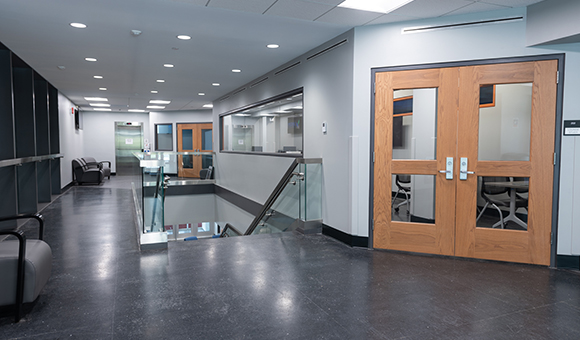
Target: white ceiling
<point x="226" y="35"/>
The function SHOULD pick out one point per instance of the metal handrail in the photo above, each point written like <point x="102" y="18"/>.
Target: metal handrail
<point x="31" y="159"/>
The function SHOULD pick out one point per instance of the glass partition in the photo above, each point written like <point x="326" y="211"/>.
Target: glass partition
<point x="273" y="126"/>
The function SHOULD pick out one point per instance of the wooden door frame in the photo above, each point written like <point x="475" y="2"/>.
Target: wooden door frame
<point x="560" y="57"/>
<point x="178" y="136"/>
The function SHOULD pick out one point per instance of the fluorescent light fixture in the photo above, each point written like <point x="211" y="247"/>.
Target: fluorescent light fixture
<point x="100" y="104"/>
<point x="101" y="109"/>
<point x="135" y="110"/>
<point x="183" y="37"/>
<point x="91" y="59"/>
<point x="168" y="65"/>
<point x="272" y="46"/>
<point x="96" y="99"/>
<point x="154" y="101"/>
<point x="78" y="25"/>
<point x="155" y="107"/>
<point x="208" y="106"/>
<point x="215" y="84"/>
<point x="102" y="89"/>
<point x="154" y="91"/>
<point x="236" y="70"/>
<point x="98" y="77"/>
<point x="160" y="81"/>
<point x="201" y="94"/>
<point x="378" y="6"/>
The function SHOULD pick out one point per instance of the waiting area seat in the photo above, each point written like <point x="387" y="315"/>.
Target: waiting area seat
<point x="103" y="165"/>
<point x="25" y="266"/>
<point x="88" y="170"/>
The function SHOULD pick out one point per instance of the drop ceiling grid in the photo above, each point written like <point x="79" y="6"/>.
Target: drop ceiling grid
<point x="298" y="9"/>
<point x="430" y="8"/>
<point x="253" y="6"/>
<point x="476" y="7"/>
<point x="348" y="16"/>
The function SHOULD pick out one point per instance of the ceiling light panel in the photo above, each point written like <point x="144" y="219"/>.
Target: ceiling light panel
<point x="155" y="101"/>
<point x="96" y="99"/>
<point x="155" y="107"/>
<point x="183" y="37"/>
<point x="78" y="25"/>
<point x="160" y="81"/>
<point x="135" y="110"/>
<point x="168" y="65"/>
<point x="100" y="104"/>
<point x="101" y="109"/>
<point x="91" y="59"/>
<point x="102" y="89"/>
<point x="272" y="46"/>
<point x="378" y="6"/>
<point x="98" y="77"/>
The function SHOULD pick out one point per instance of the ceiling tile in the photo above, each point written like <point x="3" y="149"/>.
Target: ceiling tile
<point x="326" y="2"/>
<point x="347" y="16"/>
<point x="511" y="3"/>
<point x="430" y="8"/>
<point x="254" y="6"/>
<point x="192" y="2"/>
<point x="389" y="18"/>
<point x="298" y="9"/>
<point x="476" y="7"/>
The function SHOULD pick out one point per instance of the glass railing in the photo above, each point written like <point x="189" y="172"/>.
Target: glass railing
<point x="295" y="203"/>
<point x="181" y="164"/>
<point x="153" y="200"/>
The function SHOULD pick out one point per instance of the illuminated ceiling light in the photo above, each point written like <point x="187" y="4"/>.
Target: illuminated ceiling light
<point x="201" y="94"/>
<point x="154" y="91"/>
<point x="135" y="110"/>
<point x="183" y="37"/>
<point x="60" y="67"/>
<point x="208" y="106"/>
<point x="78" y="25"/>
<point x="155" y="107"/>
<point x="378" y="6"/>
<point x="98" y="77"/>
<point x="272" y="46"/>
<point x="91" y="59"/>
<point x="102" y="89"/>
<point x="168" y="65"/>
<point x="96" y="99"/>
<point x="159" y="101"/>
<point x="100" y="104"/>
<point x="101" y="109"/>
<point x="160" y="81"/>
<point x="236" y="70"/>
<point x="215" y="84"/>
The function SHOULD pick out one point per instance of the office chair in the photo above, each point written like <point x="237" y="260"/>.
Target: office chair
<point x="487" y="190"/>
<point x="403" y="185"/>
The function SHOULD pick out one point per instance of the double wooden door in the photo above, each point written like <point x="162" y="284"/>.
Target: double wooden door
<point x="196" y="140"/>
<point x="442" y="137"/>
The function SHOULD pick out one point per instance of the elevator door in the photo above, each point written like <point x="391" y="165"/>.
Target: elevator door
<point x="464" y="161"/>
<point x="128" y="139"/>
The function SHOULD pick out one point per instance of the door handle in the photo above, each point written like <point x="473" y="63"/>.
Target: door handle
<point x="448" y="168"/>
<point x="463" y="169"/>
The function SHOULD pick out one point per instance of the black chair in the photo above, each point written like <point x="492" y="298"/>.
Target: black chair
<point x="25" y="266"/>
<point x="206" y="173"/>
<point x="103" y="165"/>
<point x="492" y="196"/>
<point x="403" y="183"/>
<point x="84" y="174"/>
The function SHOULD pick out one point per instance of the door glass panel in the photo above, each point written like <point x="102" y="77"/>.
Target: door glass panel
<point x="502" y="199"/>
<point x="206" y="142"/>
<point x="206" y="161"/>
<point x="187" y="161"/>
<point x="187" y="139"/>
<point x="415" y="124"/>
<point x="413" y="198"/>
<point x="505" y="122"/>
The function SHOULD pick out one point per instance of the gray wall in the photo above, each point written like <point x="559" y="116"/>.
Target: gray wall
<point x="71" y="140"/>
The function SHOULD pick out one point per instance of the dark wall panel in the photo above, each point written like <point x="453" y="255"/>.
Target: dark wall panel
<point x="8" y="190"/>
<point x="41" y="116"/>
<point x="43" y="180"/>
<point x="53" y="117"/>
<point x="27" y="194"/>
<point x="6" y="117"/>
<point x="55" y="176"/>
<point x="24" y="112"/>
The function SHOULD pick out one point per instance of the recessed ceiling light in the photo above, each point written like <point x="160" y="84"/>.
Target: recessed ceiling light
<point x="236" y="70"/>
<point x="183" y="37"/>
<point x="215" y="84"/>
<point x="155" y="107"/>
<point x="91" y="59"/>
<point x="98" y="77"/>
<point x="201" y="94"/>
<point x="155" y="101"/>
<point x="103" y="88"/>
<point x="96" y="99"/>
<point x="208" y="105"/>
<point x="378" y="6"/>
<point x="61" y="67"/>
<point x="168" y="65"/>
<point x="100" y="104"/>
<point x="154" y="91"/>
<point x="272" y="46"/>
<point x="160" y="81"/>
<point x="78" y="25"/>
<point x="101" y="109"/>
<point x="135" y="110"/>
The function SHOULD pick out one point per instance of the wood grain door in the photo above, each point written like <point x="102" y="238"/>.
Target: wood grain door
<point x="194" y="138"/>
<point x="499" y="120"/>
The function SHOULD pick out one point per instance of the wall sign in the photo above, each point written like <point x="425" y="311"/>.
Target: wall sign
<point x="572" y="128"/>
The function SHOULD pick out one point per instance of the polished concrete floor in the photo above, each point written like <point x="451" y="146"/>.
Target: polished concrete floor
<point x="284" y="286"/>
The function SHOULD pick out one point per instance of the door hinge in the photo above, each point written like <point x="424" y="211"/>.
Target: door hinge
<point x="557" y="77"/>
<point x="373" y="156"/>
<point x="374" y="88"/>
<point x="555" y="157"/>
<point x="373" y="225"/>
<point x="551" y="238"/>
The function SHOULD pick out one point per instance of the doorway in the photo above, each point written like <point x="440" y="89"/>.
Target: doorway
<point x="196" y="140"/>
<point x="128" y="139"/>
<point x="464" y="160"/>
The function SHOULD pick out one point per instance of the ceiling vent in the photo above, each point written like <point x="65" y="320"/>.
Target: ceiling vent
<point x="328" y="49"/>
<point x="287" y="68"/>
<point x="460" y="25"/>
<point x="238" y="91"/>
<point x="224" y="98"/>
<point x="259" y="82"/>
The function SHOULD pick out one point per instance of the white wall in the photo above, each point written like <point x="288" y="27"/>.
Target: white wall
<point x="71" y="140"/>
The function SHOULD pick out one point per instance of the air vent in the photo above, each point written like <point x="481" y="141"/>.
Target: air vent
<point x="238" y="91"/>
<point x="460" y="25"/>
<point x="328" y="49"/>
<point x="287" y="68"/>
<point x="259" y="82"/>
<point x="224" y="98"/>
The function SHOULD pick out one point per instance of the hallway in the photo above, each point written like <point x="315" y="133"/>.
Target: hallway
<point x="283" y="286"/>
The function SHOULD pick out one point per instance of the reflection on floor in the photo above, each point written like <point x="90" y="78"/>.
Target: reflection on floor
<point x="282" y="286"/>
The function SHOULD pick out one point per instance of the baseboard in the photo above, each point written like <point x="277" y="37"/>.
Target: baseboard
<point x="568" y="262"/>
<point x="351" y="240"/>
